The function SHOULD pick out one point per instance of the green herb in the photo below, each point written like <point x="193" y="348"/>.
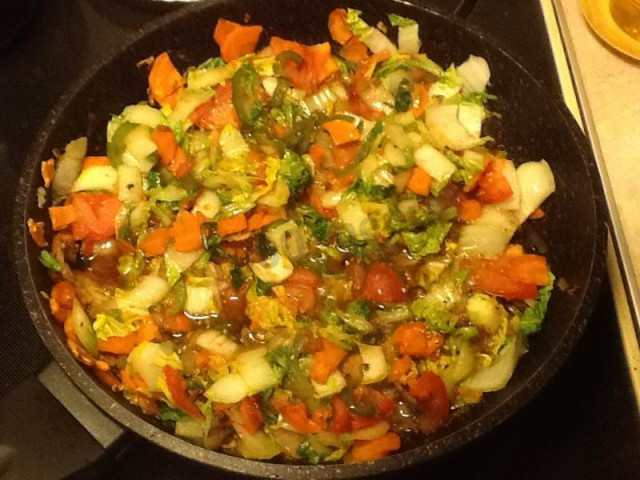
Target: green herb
<point x="478" y="97"/>
<point x="357" y="248"/>
<point x="318" y="225"/>
<point x="214" y="62"/>
<point x="262" y="288"/>
<point x="264" y="246"/>
<point x="169" y="414"/>
<point x="306" y="452"/>
<point x="153" y="179"/>
<point x="237" y="278"/>
<point x="434" y="312"/>
<point x="403" y="98"/>
<point x="359" y="307"/>
<point x="280" y="359"/>
<point x="295" y="171"/>
<point x="398" y="21"/>
<point x="245" y="83"/>
<point x="427" y="242"/>
<point x="532" y="317"/>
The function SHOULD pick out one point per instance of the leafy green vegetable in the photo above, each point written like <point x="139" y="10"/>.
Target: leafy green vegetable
<point x="169" y="414"/>
<point x="416" y="61"/>
<point x="280" y="359"/>
<point x="262" y="288"/>
<point x="237" y="278"/>
<point x="245" y="83"/>
<point x="107" y="326"/>
<point x="448" y="84"/>
<point x="177" y="298"/>
<point x="49" y="261"/>
<point x="532" y="317"/>
<point x="398" y="21"/>
<point x="403" y="98"/>
<point x="356" y="24"/>
<point x="318" y="225"/>
<point x="295" y="171"/>
<point x="427" y="242"/>
<point x="264" y="246"/>
<point x="368" y="189"/>
<point x="357" y="248"/>
<point x="359" y="307"/>
<point x="478" y="97"/>
<point x="214" y="62"/>
<point x="371" y="141"/>
<point x="434" y="312"/>
<point x="307" y="452"/>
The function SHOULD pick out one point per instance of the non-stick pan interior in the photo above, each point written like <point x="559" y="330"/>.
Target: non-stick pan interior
<point x="530" y="125"/>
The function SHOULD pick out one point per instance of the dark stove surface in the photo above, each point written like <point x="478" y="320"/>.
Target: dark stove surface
<point x="583" y="425"/>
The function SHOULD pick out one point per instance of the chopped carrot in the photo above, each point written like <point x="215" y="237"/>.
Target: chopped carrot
<point x="419" y="182"/>
<point x="344" y="155"/>
<point x="365" y="70"/>
<point x="202" y="359"/>
<point x="125" y="246"/>
<point x="355" y="50"/>
<point x="231" y="225"/>
<point x="317" y="63"/>
<point x="179" y="323"/>
<point x="236" y="40"/>
<point x="401" y="366"/>
<point x="252" y="417"/>
<point x="177" y="386"/>
<point x="171" y="154"/>
<point x="147" y="331"/>
<point x="326" y="361"/>
<point x="280" y="130"/>
<point x="154" y="243"/>
<point x="165" y="82"/>
<point x="368" y="450"/>
<point x="118" y="345"/>
<point x="186" y="231"/>
<point x="61" y="300"/>
<point x="421" y="93"/>
<point x="36" y="230"/>
<point x="89" y="162"/>
<point x="62" y="217"/>
<point x="537" y="214"/>
<point x="338" y="27"/>
<point x="96" y="216"/>
<point x="48" y="170"/>
<point x="279" y="45"/>
<point x="127" y="381"/>
<point x="263" y="217"/>
<point x="108" y="378"/>
<point x="413" y="339"/>
<point x="318" y="154"/>
<point x="305" y="278"/>
<point x="469" y="210"/>
<point x="342" y="131"/>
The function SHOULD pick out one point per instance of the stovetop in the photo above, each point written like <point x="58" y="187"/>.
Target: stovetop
<point x="584" y="424"/>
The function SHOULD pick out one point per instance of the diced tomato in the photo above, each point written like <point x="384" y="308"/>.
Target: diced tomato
<point x="344" y="155"/>
<point x="341" y="420"/>
<point x="415" y="340"/>
<point x="252" y="417"/>
<point x="383" y="405"/>
<point x="354" y="50"/>
<point x="512" y="276"/>
<point x="431" y="395"/>
<point x="304" y="277"/>
<point x="297" y="416"/>
<point x="96" y="214"/>
<point x="383" y="285"/>
<point x="493" y="186"/>
<point x="401" y="366"/>
<point x="177" y="386"/>
<point x="304" y="297"/>
<point x="358" y="422"/>
<point x="218" y="111"/>
<point x="186" y="232"/>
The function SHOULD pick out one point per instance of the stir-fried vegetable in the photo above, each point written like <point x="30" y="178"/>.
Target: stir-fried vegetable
<point x="287" y="253"/>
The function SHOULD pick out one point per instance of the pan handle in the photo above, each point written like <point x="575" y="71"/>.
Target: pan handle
<point x="52" y="431"/>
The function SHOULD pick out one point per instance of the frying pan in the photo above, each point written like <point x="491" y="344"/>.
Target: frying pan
<point x="530" y="125"/>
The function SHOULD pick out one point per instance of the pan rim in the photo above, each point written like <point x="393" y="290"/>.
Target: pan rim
<point x="452" y="441"/>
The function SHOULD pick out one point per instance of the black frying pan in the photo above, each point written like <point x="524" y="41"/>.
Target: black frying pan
<point x="531" y="126"/>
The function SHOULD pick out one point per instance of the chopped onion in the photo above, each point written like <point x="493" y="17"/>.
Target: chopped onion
<point x="331" y="199"/>
<point x="354" y="218"/>
<point x="277" y="196"/>
<point x="83" y="328"/>
<point x="269" y="84"/>
<point x="149" y="291"/>
<point x="182" y="260"/>
<point x="394" y="155"/>
<point x="68" y="166"/>
<point x="229" y="389"/>
<point x="496" y="376"/>
<point x="289" y="239"/>
<point x="471" y="115"/>
<point x="208" y="204"/>
<point x="130" y="184"/>
<point x="490" y="234"/>
<point x="445" y="130"/>
<point x="335" y="383"/>
<point x="397" y="136"/>
<point x="97" y="178"/>
<point x="434" y="162"/>
<point x="475" y="74"/>
<point x="217" y="342"/>
<point x="138" y="149"/>
<point x="188" y="101"/>
<point x="203" y="297"/>
<point x="256" y="370"/>
<point x="378" y="41"/>
<point x="326" y="97"/>
<point x="149" y="358"/>
<point x="275" y="269"/>
<point x="143" y="115"/>
<point x="374" y="363"/>
<point x="536" y="184"/>
<point x="409" y="39"/>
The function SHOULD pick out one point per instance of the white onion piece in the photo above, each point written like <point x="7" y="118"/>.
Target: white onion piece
<point x="378" y="41"/>
<point x="497" y="375"/>
<point x="96" y="178"/>
<point x="354" y="218"/>
<point x="182" y="260"/>
<point x="513" y="203"/>
<point x="445" y="130"/>
<point x="471" y="115"/>
<point x="275" y="269"/>
<point x="68" y="166"/>
<point x="334" y="384"/>
<point x="409" y="39"/>
<point x="269" y="84"/>
<point x="490" y="234"/>
<point x="475" y="74"/>
<point x="434" y="162"/>
<point x="536" y="184"/>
